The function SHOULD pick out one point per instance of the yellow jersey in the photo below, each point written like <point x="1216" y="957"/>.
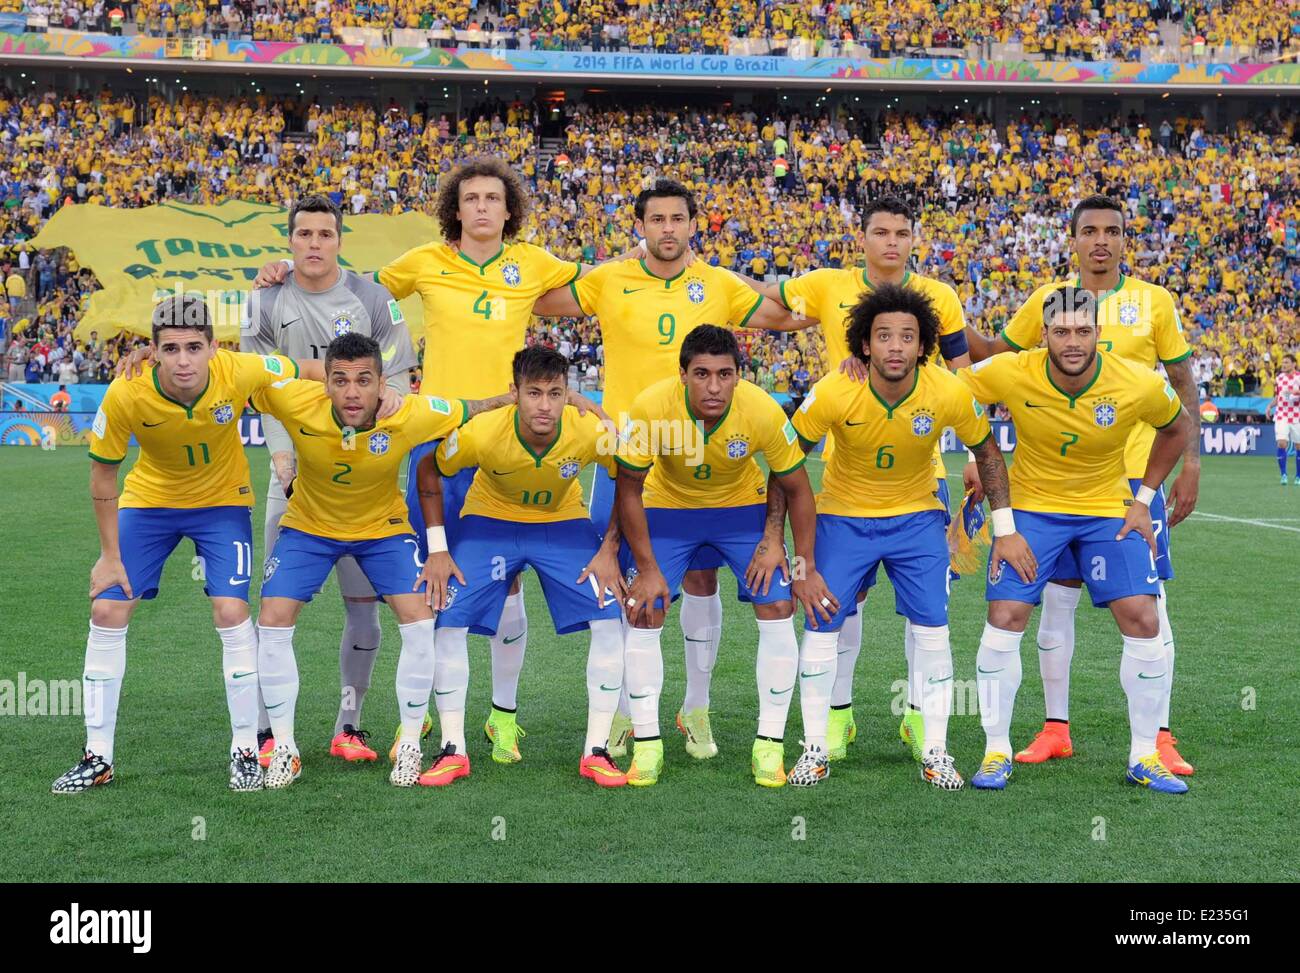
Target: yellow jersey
<point x="1138" y="321"/>
<point x="1070" y="449"/>
<point x="346" y="487"/>
<point x="643" y="334"/>
<point x="475" y="316"/>
<point x="513" y="482"/>
<point x="692" y="467"/>
<point x="882" y="463"/>
<point x="190" y="456"/>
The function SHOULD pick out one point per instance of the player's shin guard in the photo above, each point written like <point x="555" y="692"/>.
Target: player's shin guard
<point x="816" y="678"/>
<point x="777" y="669"/>
<point x="998" y="673"/>
<point x="239" y="663"/>
<point x="508" y="647"/>
<point x="848" y="646"/>
<point x="1167" y="638"/>
<point x="1145" y="681"/>
<point x="932" y="657"/>
<point x="604" y="680"/>
<point x="277" y="673"/>
<point x="451" y="684"/>
<point x="644" y="677"/>
<point x="101" y="687"/>
<point x="1056" y="647"/>
<point x="701" y="620"/>
<point x="415" y="670"/>
<point x="358" y="650"/>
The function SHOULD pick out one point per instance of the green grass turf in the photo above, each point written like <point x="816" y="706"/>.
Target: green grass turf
<point x="1233" y="609"/>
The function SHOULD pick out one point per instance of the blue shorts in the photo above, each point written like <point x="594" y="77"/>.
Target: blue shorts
<point x="454" y="489"/>
<point x="223" y="542"/>
<point x="730" y="534"/>
<point x="490" y="552"/>
<point x="301" y="562"/>
<point x="1068" y="571"/>
<point x="941" y="491"/>
<point x="914" y="549"/>
<point x="1111" y="569"/>
<point x="602" y="505"/>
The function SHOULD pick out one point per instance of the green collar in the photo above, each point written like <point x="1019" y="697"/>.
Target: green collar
<point x="686" y="396"/>
<point x="338" y="421"/>
<point x="667" y="280"/>
<point x="1047" y="367"/>
<point x="907" y="275"/>
<point x="189" y="409"/>
<point x="1078" y="282"/>
<point x="538" y="457"/>
<point x="889" y="409"/>
<point x="484" y="265"/>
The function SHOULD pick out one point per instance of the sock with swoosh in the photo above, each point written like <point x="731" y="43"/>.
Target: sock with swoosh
<point x="846" y="659"/>
<point x="644" y="674"/>
<point x="817" y="663"/>
<point x="415" y="677"/>
<point x="451" y="683"/>
<point x="701" y="620"/>
<point x="239" y="662"/>
<point x="358" y="650"/>
<point x="1056" y="647"/>
<point x="777" y="669"/>
<point x="277" y="672"/>
<point x="508" y="647"/>
<point x="932" y="655"/>
<point x="1144" y="678"/>
<point x="101" y="687"/>
<point x="998" y="673"/>
<point x="604" y="679"/>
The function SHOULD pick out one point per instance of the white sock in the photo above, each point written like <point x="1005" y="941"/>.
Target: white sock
<point x="508" y="656"/>
<point x="847" y="649"/>
<point x="1143" y="676"/>
<point x="604" y="680"/>
<point x="1056" y="647"/>
<point x="415" y="669"/>
<point x="776" y="669"/>
<point x="1167" y="637"/>
<point x="701" y="618"/>
<point x="277" y="673"/>
<point x="816" y="679"/>
<point x="451" y="684"/>
<point x="998" y="672"/>
<point x="643" y="676"/>
<point x="101" y="687"/>
<point x="933" y="661"/>
<point x="239" y="663"/>
<point x="358" y="650"/>
<point x="909" y="653"/>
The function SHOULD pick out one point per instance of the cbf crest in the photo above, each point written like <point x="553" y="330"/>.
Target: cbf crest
<point x="379" y="443"/>
<point x="737" y="447"/>
<point x="1128" y="314"/>
<point x="510" y="273"/>
<point x="695" y="290"/>
<point x="569" y="467"/>
<point x="342" y="325"/>
<point x="923" y="423"/>
<point x="1104" y="413"/>
<point x="223" y="414"/>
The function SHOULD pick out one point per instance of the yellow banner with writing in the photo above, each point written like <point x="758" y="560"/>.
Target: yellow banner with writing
<point x="142" y="255"/>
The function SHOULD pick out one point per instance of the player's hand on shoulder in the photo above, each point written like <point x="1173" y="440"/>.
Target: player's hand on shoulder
<point x="133" y="365"/>
<point x="608" y="578"/>
<point x="819" y="605"/>
<point x="585" y="405"/>
<point x="436" y="574"/>
<point x="1014" y="550"/>
<point x="107" y="572"/>
<point x="271" y="273"/>
<point x="390" y="400"/>
<point x="855" y="368"/>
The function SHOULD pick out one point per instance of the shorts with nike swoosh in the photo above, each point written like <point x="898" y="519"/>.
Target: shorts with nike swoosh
<point x="914" y="549"/>
<point x="352" y="582"/>
<point x="490" y="552"/>
<point x="222" y="536"/>
<point x="454" y="489"/>
<point x="301" y="562"/>
<point x="1111" y="569"/>
<point x="1066" y="571"/>
<point x="602" y="505"/>
<point x="730" y="534"/>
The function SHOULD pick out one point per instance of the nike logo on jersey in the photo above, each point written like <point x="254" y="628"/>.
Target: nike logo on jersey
<point x="447" y="273"/>
<point x="306" y="433"/>
<point x="288" y="323"/>
<point x="150" y="425"/>
<point x="846" y="306"/>
<point x="388" y="355"/>
<point x="632" y="290"/>
<point x="1030" y="405"/>
<point x="501" y="472"/>
<point x="848" y="423"/>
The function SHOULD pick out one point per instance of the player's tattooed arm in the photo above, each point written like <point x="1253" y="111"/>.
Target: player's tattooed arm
<point x="109" y="569"/>
<point x="1170" y="442"/>
<point x="772" y="315"/>
<point x="474" y="406"/>
<point x="1187" y="485"/>
<point x="1011" y="548"/>
<point x="604" y="566"/>
<point x="439" y="568"/>
<point x="771" y="291"/>
<point x="769" y="555"/>
<point x="981" y="346"/>
<point x="993" y="477"/>
<point x="806" y="583"/>
<point x="649" y="585"/>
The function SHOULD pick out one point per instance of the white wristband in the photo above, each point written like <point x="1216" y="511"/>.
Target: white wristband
<point x="287" y="262"/>
<point x="1145" y="495"/>
<point x="970" y="457"/>
<point x="436" y="537"/>
<point x="1004" y="522"/>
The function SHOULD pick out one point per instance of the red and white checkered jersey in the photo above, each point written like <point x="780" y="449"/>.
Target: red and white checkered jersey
<point x="1287" y="404"/>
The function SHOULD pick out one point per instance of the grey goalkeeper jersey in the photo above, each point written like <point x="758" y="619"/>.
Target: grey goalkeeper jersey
<point x="285" y="318"/>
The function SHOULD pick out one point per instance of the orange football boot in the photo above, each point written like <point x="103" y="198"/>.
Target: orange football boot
<point x="1052" y="742"/>
<point x="1169" y="755"/>
<point x="600" y="767"/>
<point x="351" y="745"/>
<point x="449" y="766"/>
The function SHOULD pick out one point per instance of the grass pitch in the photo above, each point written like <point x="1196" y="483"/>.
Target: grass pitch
<point x="169" y="816"/>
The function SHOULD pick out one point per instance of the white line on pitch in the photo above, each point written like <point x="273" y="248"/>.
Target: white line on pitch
<point x="1240" y="520"/>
